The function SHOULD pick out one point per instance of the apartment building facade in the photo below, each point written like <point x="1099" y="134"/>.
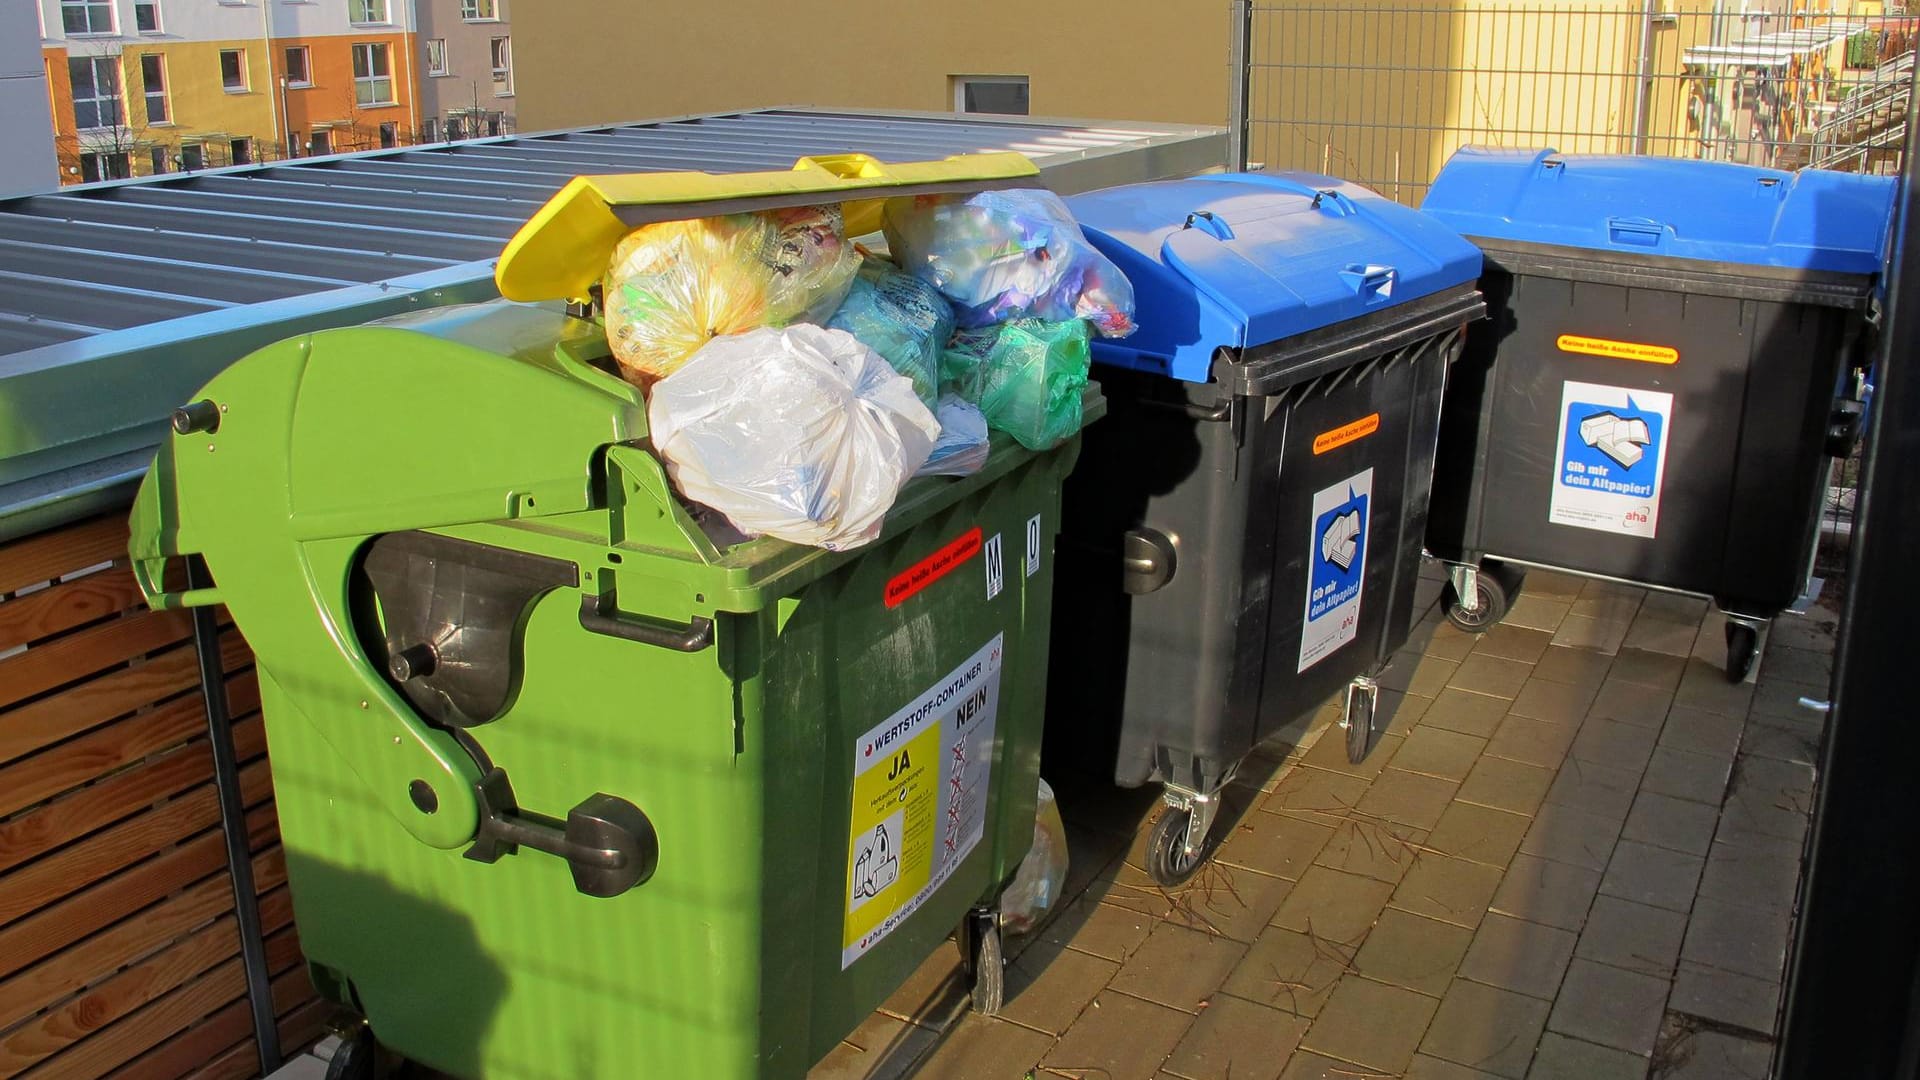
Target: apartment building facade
<point x="467" y="84"/>
<point x="137" y="87"/>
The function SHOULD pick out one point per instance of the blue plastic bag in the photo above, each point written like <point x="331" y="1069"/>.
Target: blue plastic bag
<point x="900" y="317"/>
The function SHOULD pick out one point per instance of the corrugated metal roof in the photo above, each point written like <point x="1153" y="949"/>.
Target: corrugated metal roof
<point x="118" y="300"/>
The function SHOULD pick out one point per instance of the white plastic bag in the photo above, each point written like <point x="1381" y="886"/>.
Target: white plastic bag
<point x="962" y="447"/>
<point x="801" y="433"/>
<point x="1035" y="891"/>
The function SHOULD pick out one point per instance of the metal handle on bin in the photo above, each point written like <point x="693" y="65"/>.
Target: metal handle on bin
<point x="607" y="842"/>
<point x="599" y="616"/>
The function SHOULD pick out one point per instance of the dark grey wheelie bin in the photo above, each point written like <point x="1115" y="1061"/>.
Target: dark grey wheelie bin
<point x="1243" y="537"/>
<point x="1674" y="351"/>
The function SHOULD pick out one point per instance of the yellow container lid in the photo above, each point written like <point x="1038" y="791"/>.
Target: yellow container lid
<point x="562" y="251"/>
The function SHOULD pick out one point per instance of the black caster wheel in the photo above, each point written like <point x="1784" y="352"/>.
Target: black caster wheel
<point x="985" y="961"/>
<point x="1497" y="585"/>
<point x="1168" y="861"/>
<point x="353" y="1058"/>
<point x="1357" y="718"/>
<point x="1743" y="648"/>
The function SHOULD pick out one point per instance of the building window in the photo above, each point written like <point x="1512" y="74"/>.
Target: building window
<point x="389" y="136"/>
<point x="240" y="151"/>
<point x="1005" y="94"/>
<point x="454" y="134"/>
<point x="437" y="57"/>
<point x="372" y="74"/>
<point x="367" y="11"/>
<point x="233" y="70"/>
<point x="430" y="131"/>
<point x="502" y="66"/>
<point x="320" y="142"/>
<point x="153" y="78"/>
<point x="87" y="16"/>
<point x="299" y="68"/>
<point x="159" y="160"/>
<point x="96" y="91"/>
<point x="104" y="166"/>
<point x="480" y="10"/>
<point x="146" y="16"/>
<point x="192" y="156"/>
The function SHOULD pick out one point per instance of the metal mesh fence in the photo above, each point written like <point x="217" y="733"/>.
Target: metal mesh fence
<point x="1383" y="91"/>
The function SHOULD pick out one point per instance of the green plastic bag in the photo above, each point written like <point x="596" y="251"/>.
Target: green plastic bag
<point x="1027" y="376"/>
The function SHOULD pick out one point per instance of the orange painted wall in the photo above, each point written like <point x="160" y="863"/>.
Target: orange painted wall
<point x="331" y="99"/>
<point x="66" y="146"/>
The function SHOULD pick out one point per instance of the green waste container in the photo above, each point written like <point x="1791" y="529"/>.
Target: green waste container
<point x="571" y="781"/>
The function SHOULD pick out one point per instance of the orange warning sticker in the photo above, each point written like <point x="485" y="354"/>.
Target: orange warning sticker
<point x="932" y="568"/>
<point x="1618" y="350"/>
<point x="1346" y="433"/>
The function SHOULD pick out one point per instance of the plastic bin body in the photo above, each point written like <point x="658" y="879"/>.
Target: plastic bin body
<point x="485" y="435"/>
<point x="1725" y="303"/>
<point x="1293" y="343"/>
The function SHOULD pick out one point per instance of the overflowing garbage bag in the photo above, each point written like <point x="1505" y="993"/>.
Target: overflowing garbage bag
<point x="1027" y="376"/>
<point x="673" y="286"/>
<point x="1035" y="892"/>
<point x="1001" y="255"/>
<point x="801" y="433"/>
<point x="900" y="317"/>
<point x="963" y="444"/>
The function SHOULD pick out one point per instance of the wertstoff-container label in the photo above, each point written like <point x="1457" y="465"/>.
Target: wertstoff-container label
<point x="1612" y="456"/>
<point x="1336" y="567"/>
<point x="920" y="788"/>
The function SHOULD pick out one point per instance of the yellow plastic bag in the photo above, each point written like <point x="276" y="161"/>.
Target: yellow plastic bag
<point x="673" y="286"/>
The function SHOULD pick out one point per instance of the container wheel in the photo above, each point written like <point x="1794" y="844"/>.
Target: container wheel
<point x="986" y="963"/>
<point x="1168" y="861"/>
<point x="1357" y="717"/>
<point x="1495" y="586"/>
<point x="353" y="1056"/>
<point x="1743" y="648"/>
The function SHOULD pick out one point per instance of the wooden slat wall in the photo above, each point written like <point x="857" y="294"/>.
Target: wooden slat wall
<point x="119" y="953"/>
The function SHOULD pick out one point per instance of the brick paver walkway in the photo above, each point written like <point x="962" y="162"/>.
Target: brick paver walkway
<point x="1572" y="853"/>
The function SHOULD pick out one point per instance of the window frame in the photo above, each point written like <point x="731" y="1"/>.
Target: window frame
<point x="373" y="79"/>
<point x="87" y="9"/>
<point x="95" y="65"/>
<point x="164" y="93"/>
<point x="502" y="73"/>
<point x="157" y="161"/>
<point x="159" y="25"/>
<point x="474" y="5"/>
<point x="306" y="66"/>
<point x="193" y="156"/>
<point x="246" y="82"/>
<point x="962" y="82"/>
<point x="446" y="66"/>
<point x="357" y="8"/>
<point x="317" y="136"/>
<point x="245" y="155"/>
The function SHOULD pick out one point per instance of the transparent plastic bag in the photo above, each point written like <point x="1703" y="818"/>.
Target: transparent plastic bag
<point x="900" y="317"/>
<point x="963" y="445"/>
<point x="673" y="286"/>
<point x="1027" y="377"/>
<point x="1002" y="255"/>
<point x="801" y="433"/>
<point x="1035" y="892"/>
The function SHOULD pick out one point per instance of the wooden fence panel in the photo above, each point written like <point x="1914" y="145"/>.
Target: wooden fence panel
<point x="119" y="949"/>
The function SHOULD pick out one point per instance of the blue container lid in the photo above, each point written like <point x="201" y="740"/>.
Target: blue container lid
<point x="1244" y="259"/>
<point x="1709" y="210"/>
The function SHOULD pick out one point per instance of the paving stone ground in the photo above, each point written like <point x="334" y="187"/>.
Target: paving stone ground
<point x="1573" y="852"/>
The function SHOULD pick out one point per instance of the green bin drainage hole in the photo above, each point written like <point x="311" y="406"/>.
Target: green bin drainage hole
<point x="424" y="796"/>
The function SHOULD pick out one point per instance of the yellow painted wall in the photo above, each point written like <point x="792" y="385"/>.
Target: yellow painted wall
<point x="583" y="61"/>
<point x="200" y="102"/>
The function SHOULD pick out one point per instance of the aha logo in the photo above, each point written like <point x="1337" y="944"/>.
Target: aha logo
<point x="1639" y="515"/>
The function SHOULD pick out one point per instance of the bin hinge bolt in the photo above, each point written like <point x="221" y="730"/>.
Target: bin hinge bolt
<point x="202" y="415"/>
<point x="413" y="662"/>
